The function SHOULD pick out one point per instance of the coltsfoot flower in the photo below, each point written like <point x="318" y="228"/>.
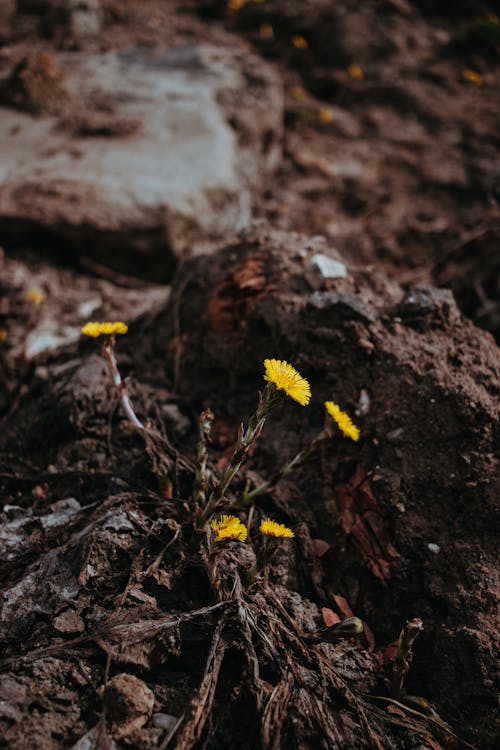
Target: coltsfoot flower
<point x="228" y="527"/>
<point x="287" y="379"/>
<point x="276" y="530"/>
<point x="299" y="42"/>
<point x="343" y="421"/>
<point x="105" y="328"/>
<point x="35" y="297"/>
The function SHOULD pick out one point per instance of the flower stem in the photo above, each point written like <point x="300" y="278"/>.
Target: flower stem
<point x="268" y="400"/>
<point x="200" y="482"/>
<point x="287" y="468"/>
<point x="120" y="384"/>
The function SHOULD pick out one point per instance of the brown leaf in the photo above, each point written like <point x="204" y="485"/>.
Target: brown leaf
<point x="320" y="547"/>
<point x="361" y="518"/>
<point x="329" y="617"/>
<point x="432" y="743"/>
<point x="343" y="605"/>
<point x="370" y="638"/>
<point x="395" y="710"/>
<point x="233" y="302"/>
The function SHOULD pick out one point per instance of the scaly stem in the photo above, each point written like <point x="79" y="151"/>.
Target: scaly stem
<point x="120" y="384"/>
<point x="200" y="482"/>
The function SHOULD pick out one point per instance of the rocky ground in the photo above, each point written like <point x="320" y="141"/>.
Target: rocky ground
<point x="239" y="181"/>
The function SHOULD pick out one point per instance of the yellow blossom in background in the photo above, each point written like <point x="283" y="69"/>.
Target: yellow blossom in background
<point x="3" y="334"/>
<point x="35" y="297"/>
<point x="228" y="527"/>
<point x="343" y="421"/>
<point x="325" y="115"/>
<point x="299" y="42"/>
<point x="277" y="530"/>
<point x="473" y="76"/>
<point x="105" y="328"/>
<point x="286" y="378"/>
<point x="356" y="72"/>
<point x="266" y="31"/>
<point x="236" y="4"/>
<point x="297" y="92"/>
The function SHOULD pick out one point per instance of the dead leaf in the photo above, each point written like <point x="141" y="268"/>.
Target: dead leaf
<point x="370" y="638"/>
<point x="432" y="743"/>
<point x="233" y="301"/>
<point x="395" y="710"/>
<point x="361" y="518"/>
<point x="329" y="617"/>
<point x="343" y="605"/>
<point x="320" y="547"/>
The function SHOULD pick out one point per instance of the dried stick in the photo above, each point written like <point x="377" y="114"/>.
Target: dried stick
<point x="404" y="654"/>
<point x="202" y="702"/>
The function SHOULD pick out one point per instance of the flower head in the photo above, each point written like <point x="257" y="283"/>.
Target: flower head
<point x="228" y="527"/>
<point x="473" y="76"/>
<point x="325" y="115"/>
<point x="266" y="31"/>
<point x="104" y="328"/>
<point x="35" y="297"/>
<point x="343" y="421"/>
<point x="276" y="530"/>
<point x="299" y="42"/>
<point x="286" y="378"/>
<point x="356" y="72"/>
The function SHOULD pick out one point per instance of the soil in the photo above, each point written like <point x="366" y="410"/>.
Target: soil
<point x="115" y="631"/>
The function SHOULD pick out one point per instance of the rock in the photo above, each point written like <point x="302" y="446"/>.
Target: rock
<point x="85" y="17"/>
<point x="129" y="704"/>
<point x="328" y="267"/>
<point x="69" y="622"/>
<point x="344" y="305"/>
<point x="7" y="10"/>
<point x="138" y="157"/>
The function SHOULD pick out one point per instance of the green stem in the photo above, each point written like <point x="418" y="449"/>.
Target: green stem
<point x="287" y="468"/>
<point x="268" y="400"/>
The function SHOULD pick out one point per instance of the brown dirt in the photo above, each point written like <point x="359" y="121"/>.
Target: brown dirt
<point x="111" y="632"/>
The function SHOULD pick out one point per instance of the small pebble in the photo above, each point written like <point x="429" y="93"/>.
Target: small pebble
<point x="434" y="548"/>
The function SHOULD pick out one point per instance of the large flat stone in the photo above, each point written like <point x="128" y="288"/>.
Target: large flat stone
<point x="140" y="152"/>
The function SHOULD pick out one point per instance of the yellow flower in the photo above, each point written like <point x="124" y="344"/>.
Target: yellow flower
<point x="236" y="4"/>
<point x="277" y="530"/>
<point x="299" y="42"/>
<point x="105" y="328"/>
<point x="3" y="334"/>
<point x="266" y="31"/>
<point x="298" y="92"/>
<point x="35" y="297"/>
<point x="343" y="421"/>
<point x="228" y="527"/>
<point x="325" y="115"/>
<point x="286" y="378"/>
<point x="473" y="76"/>
<point x="356" y="72"/>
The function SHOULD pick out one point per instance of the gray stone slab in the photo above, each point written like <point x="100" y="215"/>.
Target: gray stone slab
<point x="149" y="152"/>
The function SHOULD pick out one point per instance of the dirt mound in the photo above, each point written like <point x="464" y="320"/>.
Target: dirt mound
<point x="98" y="537"/>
